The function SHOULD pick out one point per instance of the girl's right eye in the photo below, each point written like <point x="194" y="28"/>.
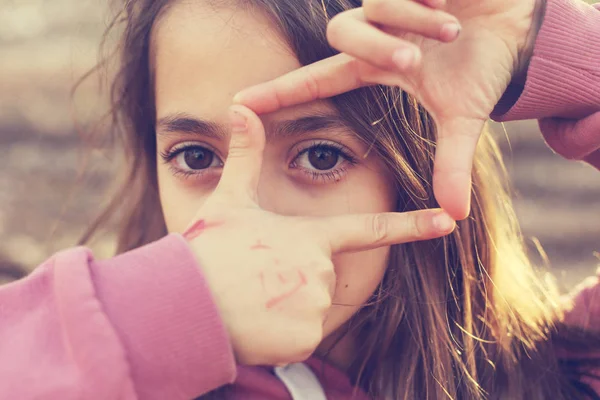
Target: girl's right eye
<point x="191" y="159"/>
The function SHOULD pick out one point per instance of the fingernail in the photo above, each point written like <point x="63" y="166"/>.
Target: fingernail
<point x="443" y="223"/>
<point x="449" y="31"/>
<point x="404" y="58"/>
<point x="238" y="120"/>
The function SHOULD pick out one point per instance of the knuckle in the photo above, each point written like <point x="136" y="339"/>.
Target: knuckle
<point x="239" y="149"/>
<point x="376" y="8"/>
<point x="309" y="344"/>
<point x="321" y="300"/>
<point x="323" y="265"/>
<point x="379" y="227"/>
<point x="328" y="278"/>
<point x="335" y="29"/>
<point x="312" y="86"/>
<point x="415" y="225"/>
<point x="325" y="303"/>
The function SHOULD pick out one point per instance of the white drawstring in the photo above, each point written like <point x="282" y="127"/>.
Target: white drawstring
<point x="301" y="382"/>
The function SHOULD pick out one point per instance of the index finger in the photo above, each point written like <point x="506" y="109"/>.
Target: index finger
<point x="456" y="144"/>
<point x="368" y="231"/>
<point x="322" y="79"/>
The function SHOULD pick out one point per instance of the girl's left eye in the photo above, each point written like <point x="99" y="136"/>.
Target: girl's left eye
<point x="196" y="158"/>
<point x="323" y="161"/>
<point x="191" y="159"/>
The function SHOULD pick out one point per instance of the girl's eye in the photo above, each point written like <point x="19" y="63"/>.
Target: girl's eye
<point x="191" y="159"/>
<point x="196" y="158"/>
<point x="323" y="158"/>
<point x="323" y="161"/>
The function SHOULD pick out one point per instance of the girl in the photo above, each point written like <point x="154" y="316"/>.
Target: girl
<point x="319" y="237"/>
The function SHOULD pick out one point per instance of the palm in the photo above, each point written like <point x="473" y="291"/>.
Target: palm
<point x="466" y="78"/>
<point x="459" y="83"/>
<point x="463" y="79"/>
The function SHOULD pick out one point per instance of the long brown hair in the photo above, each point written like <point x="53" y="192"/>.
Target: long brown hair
<point x="463" y="317"/>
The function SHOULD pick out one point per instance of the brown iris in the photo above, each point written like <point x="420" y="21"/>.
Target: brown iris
<point x="323" y="158"/>
<point x="198" y="158"/>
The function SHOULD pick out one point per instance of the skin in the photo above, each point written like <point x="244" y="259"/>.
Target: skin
<point x="278" y="311"/>
<point x="457" y="75"/>
<point x="236" y="50"/>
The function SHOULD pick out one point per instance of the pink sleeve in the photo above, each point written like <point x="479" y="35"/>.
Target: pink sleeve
<point x="562" y="88"/>
<point x="141" y="325"/>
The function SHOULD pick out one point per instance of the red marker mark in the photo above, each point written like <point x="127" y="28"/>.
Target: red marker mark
<point x="281" y="278"/>
<point x="303" y="280"/>
<point x="197" y="228"/>
<point x="278" y="299"/>
<point x="260" y="246"/>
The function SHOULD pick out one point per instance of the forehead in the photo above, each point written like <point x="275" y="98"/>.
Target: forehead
<point x="203" y="55"/>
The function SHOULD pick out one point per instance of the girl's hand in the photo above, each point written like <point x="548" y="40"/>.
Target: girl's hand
<point x="272" y="276"/>
<point x="398" y="43"/>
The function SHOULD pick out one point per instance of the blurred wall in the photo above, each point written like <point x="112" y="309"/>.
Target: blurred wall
<point x="45" y="46"/>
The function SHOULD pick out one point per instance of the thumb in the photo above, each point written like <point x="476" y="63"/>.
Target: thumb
<point x="241" y="172"/>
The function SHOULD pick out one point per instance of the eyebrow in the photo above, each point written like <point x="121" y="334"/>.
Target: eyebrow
<point x="189" y="124"/>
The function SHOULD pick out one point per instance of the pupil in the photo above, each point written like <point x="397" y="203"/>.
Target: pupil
<point x="323" y="158"/>
<point x="198" y="158"/>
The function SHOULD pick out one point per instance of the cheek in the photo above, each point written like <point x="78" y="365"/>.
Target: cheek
<point x="179" y="201"/>
<point x="357" y="277"/>
<point x="358" y="274"/>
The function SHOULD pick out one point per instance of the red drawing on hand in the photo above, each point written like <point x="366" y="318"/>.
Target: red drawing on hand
<point x="283" y="287"/>
<point x="260" y="246"/>
<point x="197" y="228"/>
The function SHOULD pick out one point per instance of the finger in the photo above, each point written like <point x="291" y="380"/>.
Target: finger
<point x="408" y="17"/>
<point x="241" y="172"/>
<point x="368" y="231"/>
<point x="337" y="74"/>
<point x="434" y="3"/>
<point x="454" y="156"/>
<point x="559" y="134"/>
<point x="350" y="33"/>
<point x="593" y="159"/>
<point x="325" y="78"/>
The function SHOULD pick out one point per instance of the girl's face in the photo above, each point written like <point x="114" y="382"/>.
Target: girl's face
<point x="313" y="165"/>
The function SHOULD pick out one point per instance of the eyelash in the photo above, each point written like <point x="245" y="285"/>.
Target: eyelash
<point x="325" y="176"/>
<point x="170" y="155"/>
<point x="333" y="175"/>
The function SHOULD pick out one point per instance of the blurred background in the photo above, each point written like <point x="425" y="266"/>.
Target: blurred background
<point x="46" y="46"/>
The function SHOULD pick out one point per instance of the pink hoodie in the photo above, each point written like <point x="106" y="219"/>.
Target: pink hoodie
<point x="142" y="325"/>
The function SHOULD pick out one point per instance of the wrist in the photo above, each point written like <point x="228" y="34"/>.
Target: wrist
<point x="526" y="52"/>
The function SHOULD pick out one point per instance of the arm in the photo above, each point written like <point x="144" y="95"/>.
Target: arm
<point x="562" y="88"/>
<point x="140" y="325"/>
